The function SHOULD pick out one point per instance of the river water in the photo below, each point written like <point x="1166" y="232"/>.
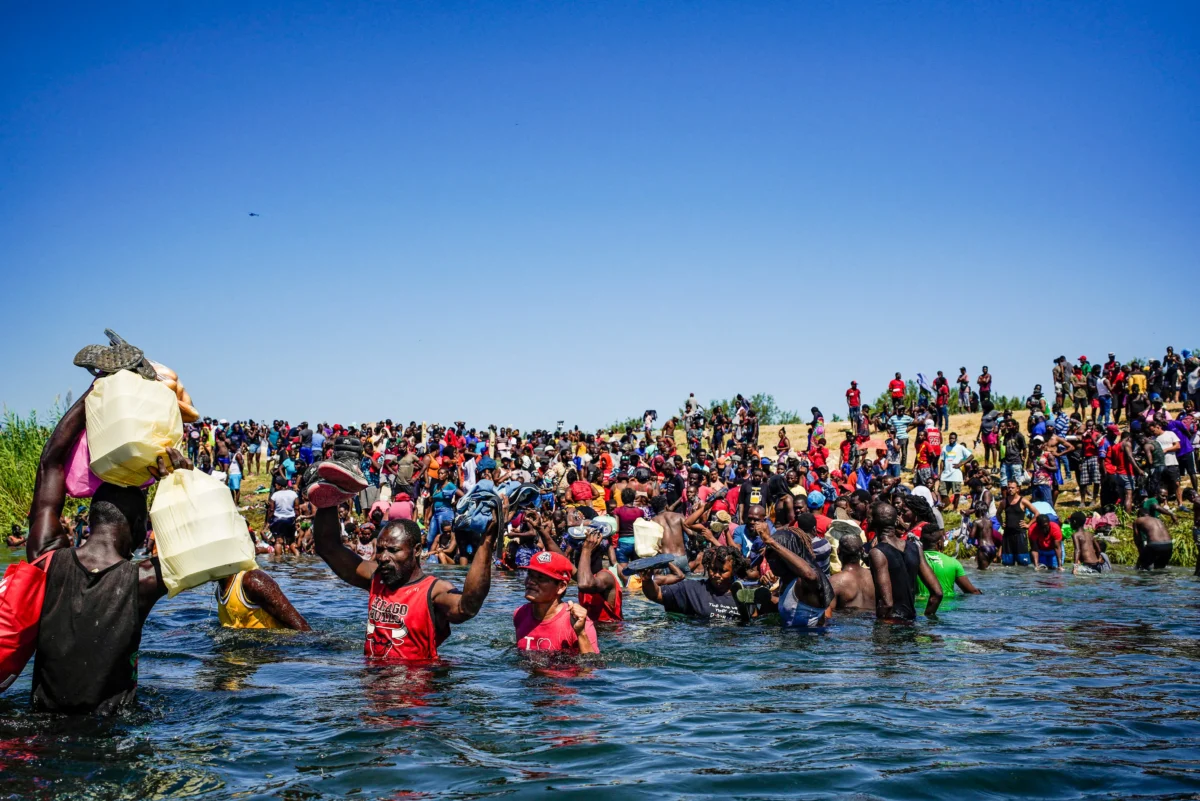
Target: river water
<point x="1047" y="686"/>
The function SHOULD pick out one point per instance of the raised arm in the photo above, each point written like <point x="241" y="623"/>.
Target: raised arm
<point x="459" y="607"/>
<point x="345" y="563"/>
<point x="799" y="565"/>
<point x="50" y="488"/>
<point x="588" y="581"/>
<point x="262" y="590"/>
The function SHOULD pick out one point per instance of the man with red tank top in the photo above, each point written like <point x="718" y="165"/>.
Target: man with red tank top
<point x="408" y="613"/>
<point x="1120" y="464"/>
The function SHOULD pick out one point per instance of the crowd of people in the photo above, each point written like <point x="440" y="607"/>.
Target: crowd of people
<point x="712" y="526"/>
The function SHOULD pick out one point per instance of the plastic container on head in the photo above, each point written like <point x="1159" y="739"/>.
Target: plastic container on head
<point x="130" y="423"/>
<point x="199" y="533"/>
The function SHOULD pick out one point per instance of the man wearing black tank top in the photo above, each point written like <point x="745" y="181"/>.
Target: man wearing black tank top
<point x="896" y="562"/>
<point x="96" y="599"/>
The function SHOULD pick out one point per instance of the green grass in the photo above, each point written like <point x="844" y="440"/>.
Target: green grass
<point x="1121" y="552"/>
<point x="21" y="443"/>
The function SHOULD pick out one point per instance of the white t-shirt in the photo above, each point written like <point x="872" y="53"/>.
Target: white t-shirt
<point x="285" y="504"/>
<point x="1167" y="439"/>
<point x="219" y="475"/>
<point x="468" y="475"/>
<point x="953" y="456"/>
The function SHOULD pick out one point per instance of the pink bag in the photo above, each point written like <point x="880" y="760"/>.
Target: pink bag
<point x="81" y="481"/>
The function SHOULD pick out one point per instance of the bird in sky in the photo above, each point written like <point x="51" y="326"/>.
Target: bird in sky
<point x="255" y="214"/>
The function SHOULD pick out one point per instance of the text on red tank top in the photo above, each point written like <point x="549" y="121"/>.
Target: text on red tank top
<point x="400" y="622"/>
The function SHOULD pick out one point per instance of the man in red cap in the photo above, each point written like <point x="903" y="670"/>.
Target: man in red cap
<point x="547" y="623"/>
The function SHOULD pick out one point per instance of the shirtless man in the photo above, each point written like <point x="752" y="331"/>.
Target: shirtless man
<point x="1153" y="541"/>
<point x="672" y="523"/>
<point x="1087" y="551"/>
<point x="853" y="586"/>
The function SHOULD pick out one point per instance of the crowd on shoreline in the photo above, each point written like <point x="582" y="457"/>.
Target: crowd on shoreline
<point x="716" y="528"/>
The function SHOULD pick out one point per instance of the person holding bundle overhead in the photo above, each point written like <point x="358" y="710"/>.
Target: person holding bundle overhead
<point x="96" y="598"/>
<point x="409" y="613"/>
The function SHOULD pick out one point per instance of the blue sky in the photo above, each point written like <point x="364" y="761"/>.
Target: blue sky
<point x="524" y="212"/>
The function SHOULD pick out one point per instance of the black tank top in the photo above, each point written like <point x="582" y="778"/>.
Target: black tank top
<point x="1013" y="515"/>
<point x="88" y="641"/>
<point x="902" y="568"/>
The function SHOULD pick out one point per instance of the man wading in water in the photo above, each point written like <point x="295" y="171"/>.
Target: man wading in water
<point x="96" y="599"/>
<point x="895" y="565"/>
<point x="408" y="613"/>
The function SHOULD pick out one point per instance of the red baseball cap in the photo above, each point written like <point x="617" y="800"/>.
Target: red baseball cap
<point x="554" y="565"/>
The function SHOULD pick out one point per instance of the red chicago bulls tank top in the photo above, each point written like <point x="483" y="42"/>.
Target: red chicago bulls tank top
<point x="400" y="622"/>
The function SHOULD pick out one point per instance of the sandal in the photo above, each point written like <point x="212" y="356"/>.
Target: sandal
<point x="100" y="360"/>
<point x="145" y="369"/>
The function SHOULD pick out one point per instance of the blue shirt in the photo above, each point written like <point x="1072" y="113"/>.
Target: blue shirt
<point x="289" y="469"/>
<point x="899" y="424"/>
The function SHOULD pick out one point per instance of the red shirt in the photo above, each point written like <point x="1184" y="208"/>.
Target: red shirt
<point x="897" y="388"/>
<point x="1045" y="540"/>
<point x="853" y="397"/>
<point x="599" y="609"/>
<point x="400" y="621"/>
<point x="553" y="634"/>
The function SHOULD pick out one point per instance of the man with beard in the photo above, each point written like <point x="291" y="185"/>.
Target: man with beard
<point x="409" y="613"/>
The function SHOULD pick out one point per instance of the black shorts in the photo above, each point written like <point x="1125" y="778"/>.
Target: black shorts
<point x="1170" y="478"/>
<point x="1155" y="556"/>
<point x="284" y="530"/>
<point x="1187" y="464"/>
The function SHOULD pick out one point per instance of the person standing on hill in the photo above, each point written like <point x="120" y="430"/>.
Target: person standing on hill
<point x="985" y="386"/>
<point x="942" y="401"/>
<point x="896" y="389"/>
<point x="964" y="389"/>
<point x="900" y="424"/>
<point x="854" y="402"/>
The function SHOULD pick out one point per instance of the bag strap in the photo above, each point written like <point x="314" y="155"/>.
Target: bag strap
<point x="46" y="559"/>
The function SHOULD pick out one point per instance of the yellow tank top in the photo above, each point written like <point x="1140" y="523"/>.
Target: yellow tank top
<point x="235" y="612"/>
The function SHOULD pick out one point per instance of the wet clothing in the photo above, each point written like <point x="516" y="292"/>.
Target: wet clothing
<point x="903" y="568"/>
<point x="235" y="611"/>
<point x="400" y="622"/>
<point x="946" y="568"/>
<point x="795" y="614"/>
<point x="88" y="639"/>
<point x="693" y="598"/>
<point x="553" y="634"/>
<point x="1155" y="555"/>
<point x="598" y="608"/>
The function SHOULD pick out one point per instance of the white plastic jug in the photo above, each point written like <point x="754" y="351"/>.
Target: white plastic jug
<point x="647" y="537"/>
<point x="130" y="423"/>
<point x="200" y="535"/>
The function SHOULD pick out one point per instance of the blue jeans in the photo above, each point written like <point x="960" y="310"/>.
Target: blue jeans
<point x="855" y="414"/>
<point x="625" y="551"/>
<point x="943" y="417"/>
<point x="1106" y="409"/>
<point x="435" y="524"/>
<point x="1041" y="492"/>
<point x="1010" y="472"/>
<point x="1048" y="558"/>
